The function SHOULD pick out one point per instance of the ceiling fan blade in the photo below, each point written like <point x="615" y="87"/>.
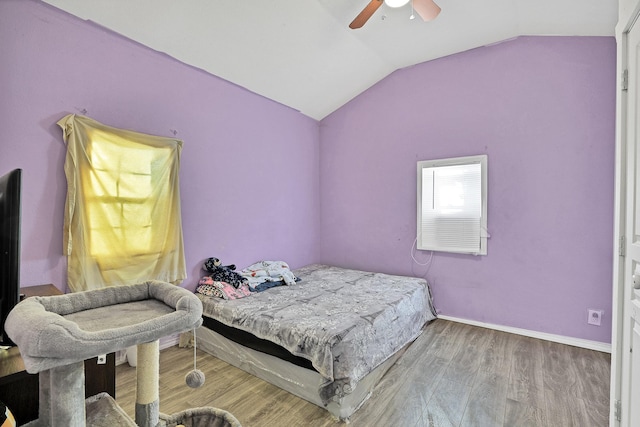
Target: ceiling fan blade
<point x="427" y="9"/>
<point x="366" y="13"/>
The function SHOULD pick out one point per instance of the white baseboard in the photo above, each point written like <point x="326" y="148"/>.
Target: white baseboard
<point x="576" y="342"/>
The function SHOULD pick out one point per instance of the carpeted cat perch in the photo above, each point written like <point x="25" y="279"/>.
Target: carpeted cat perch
<point x="56" y="334"/>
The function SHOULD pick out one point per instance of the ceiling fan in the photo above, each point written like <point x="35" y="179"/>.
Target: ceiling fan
<point x="427" y="10"/>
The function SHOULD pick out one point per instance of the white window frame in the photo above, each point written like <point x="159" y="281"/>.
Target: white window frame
<point x="431" y="243"/>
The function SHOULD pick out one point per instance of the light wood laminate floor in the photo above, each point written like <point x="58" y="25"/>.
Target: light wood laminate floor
<point x="452" y="375"/>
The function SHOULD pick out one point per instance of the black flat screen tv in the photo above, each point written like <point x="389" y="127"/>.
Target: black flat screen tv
<point x="10" y="187"/>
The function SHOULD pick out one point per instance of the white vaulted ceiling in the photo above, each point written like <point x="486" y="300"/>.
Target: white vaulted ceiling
<point x="301" y="53"/>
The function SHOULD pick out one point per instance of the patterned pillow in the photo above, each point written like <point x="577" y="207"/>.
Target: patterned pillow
<point x="211" y="290"/>
<point x="214" y="288"/>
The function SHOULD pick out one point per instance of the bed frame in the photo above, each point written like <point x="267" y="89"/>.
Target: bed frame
<point x="389" y="314"/>
<point x="297" y="380"/>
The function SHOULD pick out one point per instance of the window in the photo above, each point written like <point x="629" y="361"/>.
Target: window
<point x="122" y="218"/>
<point x="117" y="190"/>
<point x="452" y="205"/>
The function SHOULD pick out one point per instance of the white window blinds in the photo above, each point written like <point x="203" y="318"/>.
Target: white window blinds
<point x="452" y="212"/>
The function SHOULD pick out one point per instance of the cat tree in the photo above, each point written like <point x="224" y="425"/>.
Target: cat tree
<point x="56" y="334"/>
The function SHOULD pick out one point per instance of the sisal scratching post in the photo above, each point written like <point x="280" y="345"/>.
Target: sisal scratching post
<point x="147" y="374"/>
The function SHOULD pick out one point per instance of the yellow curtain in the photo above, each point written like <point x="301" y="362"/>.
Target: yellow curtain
<point x="122" y="214"/>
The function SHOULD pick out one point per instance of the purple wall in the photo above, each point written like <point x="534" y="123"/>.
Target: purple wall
<point x="261" y="181"/>
<point x="249" y="176"/>
<point x="543" y="109"/>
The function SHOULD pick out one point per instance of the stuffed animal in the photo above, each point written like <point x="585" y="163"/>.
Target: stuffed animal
<point x="223" y="273"/>
<point x="211" y="264"/>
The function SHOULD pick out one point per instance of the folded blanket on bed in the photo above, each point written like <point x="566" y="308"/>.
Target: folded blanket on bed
<point x="267" y="285"/>
<point x="268" y="271"/>
<point x="208" y="286"/>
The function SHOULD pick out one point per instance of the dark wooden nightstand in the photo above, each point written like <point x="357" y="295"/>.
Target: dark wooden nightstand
<point x="19" y="389"/>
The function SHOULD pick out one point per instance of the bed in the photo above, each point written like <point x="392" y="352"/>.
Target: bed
<point x="328" y="338"/>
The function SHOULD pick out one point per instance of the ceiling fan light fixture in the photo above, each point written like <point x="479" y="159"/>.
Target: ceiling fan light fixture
<point x="427" y="9"/>
<point x="396" y="3"/>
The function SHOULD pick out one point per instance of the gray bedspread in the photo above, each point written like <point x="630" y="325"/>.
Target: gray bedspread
<point x="346" y="322"/>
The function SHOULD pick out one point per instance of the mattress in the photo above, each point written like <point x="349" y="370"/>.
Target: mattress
<point x="344" y="322"/>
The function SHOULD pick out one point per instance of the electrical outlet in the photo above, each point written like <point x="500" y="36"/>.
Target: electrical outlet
<point x="595" y="317"/>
